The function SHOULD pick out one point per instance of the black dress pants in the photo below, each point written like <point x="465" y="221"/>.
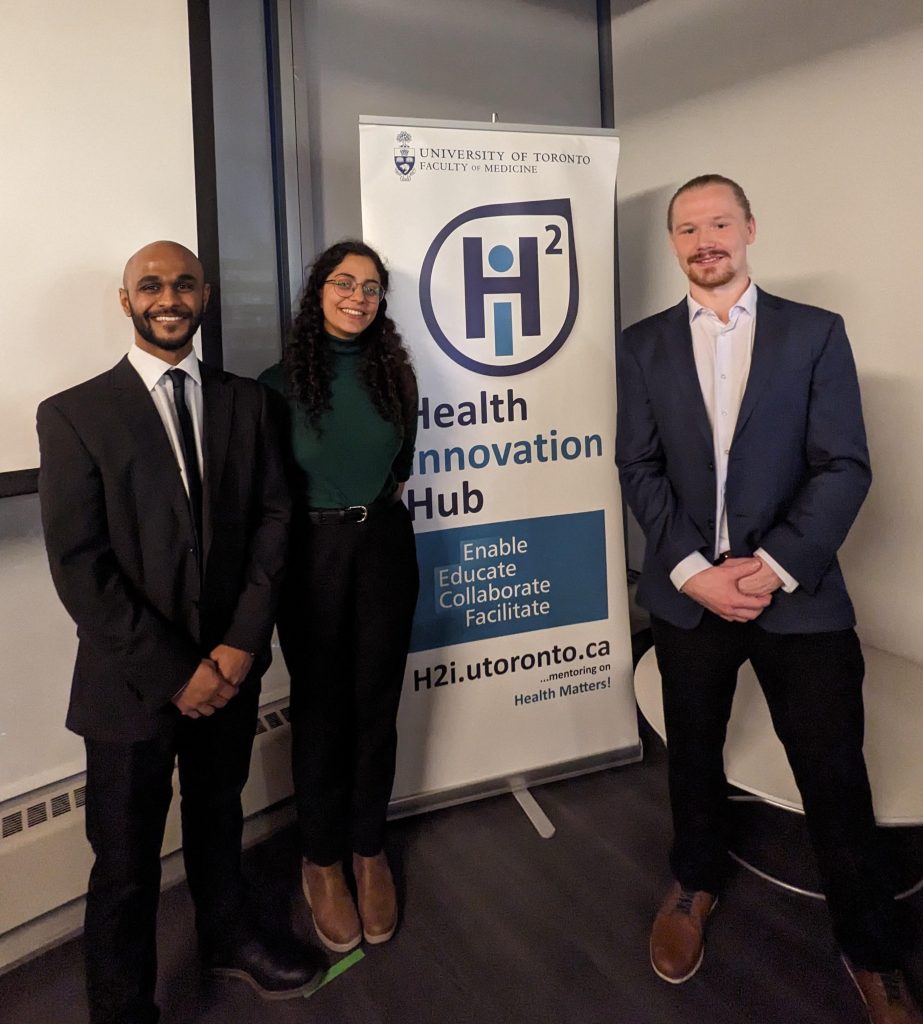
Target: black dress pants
<point x="129" y="788"/>
<point x="344" y="627"/>
<point x="813" y="687"/>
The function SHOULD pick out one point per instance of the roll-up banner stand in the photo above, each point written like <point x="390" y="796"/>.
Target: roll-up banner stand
<point x="499" y="240"/>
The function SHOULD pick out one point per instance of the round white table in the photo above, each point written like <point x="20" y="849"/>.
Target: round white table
<point x="755" y="760"/>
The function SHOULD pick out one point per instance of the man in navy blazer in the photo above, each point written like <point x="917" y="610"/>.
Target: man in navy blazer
<point x="741" y="451"/>
<point x="165" y="512"/>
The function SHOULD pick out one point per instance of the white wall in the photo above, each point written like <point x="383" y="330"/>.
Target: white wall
<point x="97" y="161"/>
<point x="89" y="174"/>
<point x="814" y="108"/>
<point x="96" y="122"/>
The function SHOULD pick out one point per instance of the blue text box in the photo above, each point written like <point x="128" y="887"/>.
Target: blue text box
<point x="512" y="577"/>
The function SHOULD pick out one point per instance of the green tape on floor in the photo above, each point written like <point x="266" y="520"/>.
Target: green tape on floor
<point x="338" y="968"/>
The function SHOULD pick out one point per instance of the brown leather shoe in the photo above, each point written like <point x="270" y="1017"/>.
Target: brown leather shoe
<point x="335" y="919"/>
<point x="885" y="995"/>
<point x="678" y="935"/>
<point x="377" y="898"/>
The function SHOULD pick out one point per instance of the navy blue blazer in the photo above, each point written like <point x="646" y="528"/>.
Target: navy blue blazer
<point x="798" y="468"/>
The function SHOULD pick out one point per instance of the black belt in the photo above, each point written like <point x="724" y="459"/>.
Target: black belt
<point x="351" y="513"/>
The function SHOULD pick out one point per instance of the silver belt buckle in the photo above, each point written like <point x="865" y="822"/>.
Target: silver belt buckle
<point x="359" y="508"/>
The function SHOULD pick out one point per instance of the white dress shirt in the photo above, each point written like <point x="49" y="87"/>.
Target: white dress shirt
<point x="722" y="353"/>
<point x="153" y="372"/>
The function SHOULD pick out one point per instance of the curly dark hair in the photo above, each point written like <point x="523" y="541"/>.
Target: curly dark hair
<point x="385" y="367"/>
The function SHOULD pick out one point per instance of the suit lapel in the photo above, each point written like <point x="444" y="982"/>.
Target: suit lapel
<point x="768" y="343"/>
<point x="149" y="438"/>
<point x="217" y="413"/>
<point x="685" y="377"/>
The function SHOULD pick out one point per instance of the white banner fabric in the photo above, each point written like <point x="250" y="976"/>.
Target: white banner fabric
<point x="500" y="249"/>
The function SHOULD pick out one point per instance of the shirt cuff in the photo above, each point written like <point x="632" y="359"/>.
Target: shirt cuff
<point x="687" y="568"/>
<point x="789" y="583"/>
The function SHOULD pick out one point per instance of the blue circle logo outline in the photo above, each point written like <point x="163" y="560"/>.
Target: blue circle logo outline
<point x="556" y="207"/>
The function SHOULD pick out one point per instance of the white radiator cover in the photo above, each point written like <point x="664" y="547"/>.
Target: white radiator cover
<point x="45" y="858"/>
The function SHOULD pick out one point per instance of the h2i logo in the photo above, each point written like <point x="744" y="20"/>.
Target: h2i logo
<point x="499" y="288"/>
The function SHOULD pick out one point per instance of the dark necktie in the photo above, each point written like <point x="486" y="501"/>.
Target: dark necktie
<point x="187" y="439"/>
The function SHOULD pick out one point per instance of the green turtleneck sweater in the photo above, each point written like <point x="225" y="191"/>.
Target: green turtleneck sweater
<point x="356" y="456"/>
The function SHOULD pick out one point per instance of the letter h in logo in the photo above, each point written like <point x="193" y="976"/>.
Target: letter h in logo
<point x="478" y="287"/>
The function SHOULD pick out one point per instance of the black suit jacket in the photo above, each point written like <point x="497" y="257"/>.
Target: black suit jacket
<point x="798" y="469"/>
<point x="122" y="550"/>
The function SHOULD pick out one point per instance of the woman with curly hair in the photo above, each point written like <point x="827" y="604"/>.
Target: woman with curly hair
<point x="346" y="612"/>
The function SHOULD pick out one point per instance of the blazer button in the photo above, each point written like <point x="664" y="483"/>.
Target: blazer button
<point x="711" y="524"/>
<point x="711" y="465"/>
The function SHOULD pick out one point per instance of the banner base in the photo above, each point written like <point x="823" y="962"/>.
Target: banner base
<point x="434" y="800"/>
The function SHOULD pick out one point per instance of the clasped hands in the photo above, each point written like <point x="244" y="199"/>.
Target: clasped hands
<point x="738" y="590"/>
<point x="214" y="682"/>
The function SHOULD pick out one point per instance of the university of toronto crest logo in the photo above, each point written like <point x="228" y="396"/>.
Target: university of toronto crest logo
<point x="404" y="156"/>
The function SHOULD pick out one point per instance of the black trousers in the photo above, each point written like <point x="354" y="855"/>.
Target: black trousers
<point x="344" y="627"/>
<point x="129" y="788"/>
<point x="813" y="687"/>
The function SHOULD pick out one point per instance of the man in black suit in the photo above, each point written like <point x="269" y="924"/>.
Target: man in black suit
<point x="165" y="513"/>
<point x="741" y="450"/>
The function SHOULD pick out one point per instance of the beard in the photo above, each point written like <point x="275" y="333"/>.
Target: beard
<point x="710" y="277"/>
<point x="146" y="330"/>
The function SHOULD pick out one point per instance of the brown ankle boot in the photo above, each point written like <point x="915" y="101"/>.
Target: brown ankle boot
<point x="335" y="919"/>
<point x="377" y="898"/>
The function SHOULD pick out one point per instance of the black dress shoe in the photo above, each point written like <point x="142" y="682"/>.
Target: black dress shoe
<point x="275" y="968"/>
